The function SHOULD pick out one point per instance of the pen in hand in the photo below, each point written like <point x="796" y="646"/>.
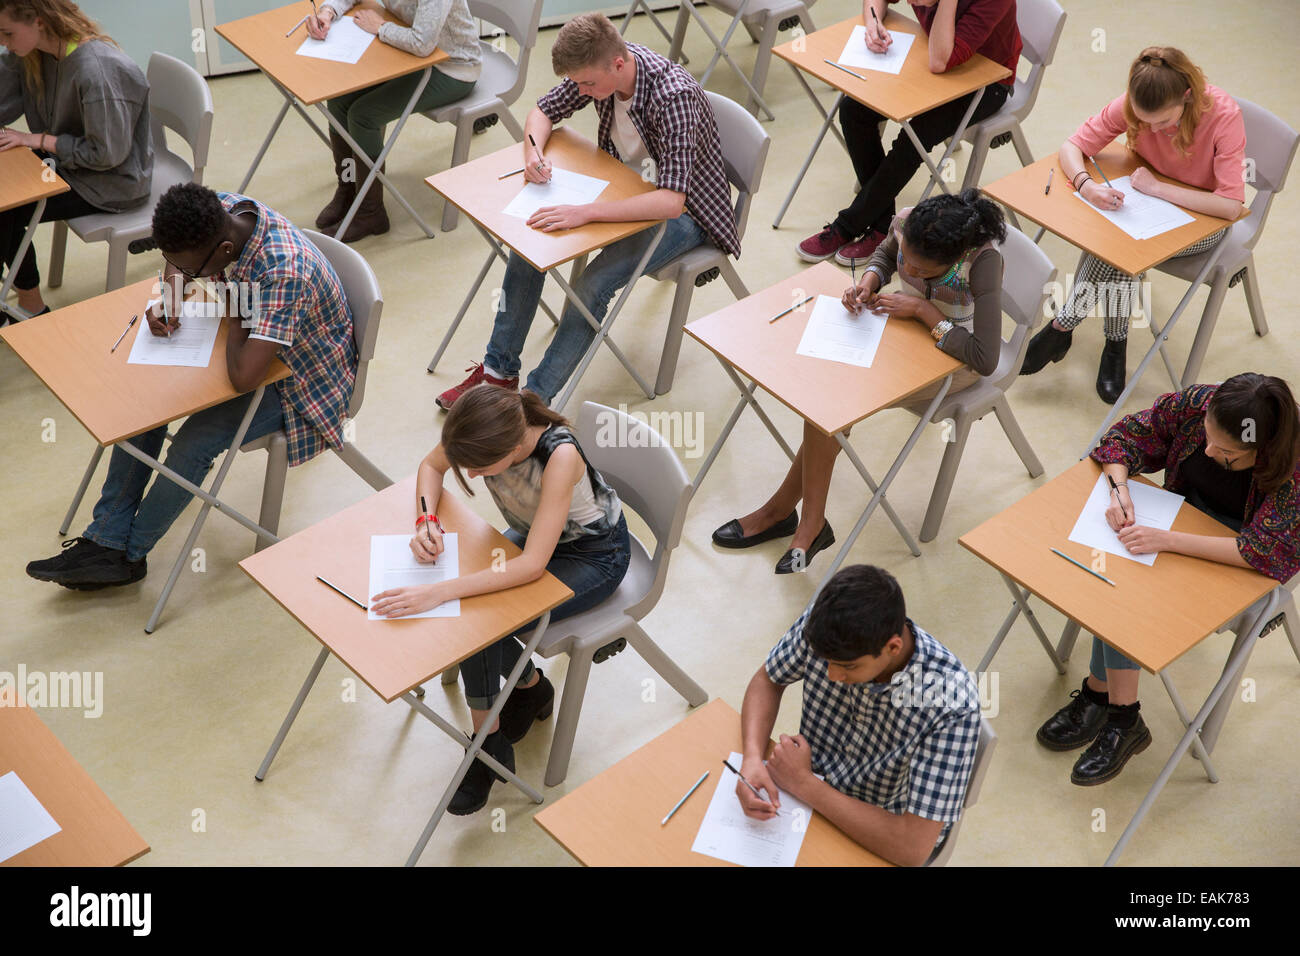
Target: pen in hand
<point x="424" y="511"/>
<point x="1115" y="488"/>
<point x="541" y="160"/>
<point x="727" y="764"/>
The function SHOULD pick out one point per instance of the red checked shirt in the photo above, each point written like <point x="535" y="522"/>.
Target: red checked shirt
<point x="676" y="123"/>
<point x="301" y="306"/>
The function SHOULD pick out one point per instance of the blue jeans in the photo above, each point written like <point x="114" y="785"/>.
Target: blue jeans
<point x="592" y="567"/>
<point x="603" y="277"/>
<point x="125" y="517"/>
<point x="1104" y="656"/>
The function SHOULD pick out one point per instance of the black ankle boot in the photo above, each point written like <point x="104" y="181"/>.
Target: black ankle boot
<point x="1049" y="345"/>
<point x="1112" y="370"/>
<point x="526" y="704"/>
<point x="472" y="794"/>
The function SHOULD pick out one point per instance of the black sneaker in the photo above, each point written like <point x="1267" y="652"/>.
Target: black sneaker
<point x="84" y="565"/>
<point x="524" y="705"/>
<point x="472" y="795"/>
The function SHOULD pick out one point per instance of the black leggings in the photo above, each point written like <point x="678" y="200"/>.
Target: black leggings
<point x="13" y="224"/>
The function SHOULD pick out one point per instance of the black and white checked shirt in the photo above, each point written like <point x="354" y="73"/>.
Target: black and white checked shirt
<point x="676" y="123"/>
<point x="907" y="746"/>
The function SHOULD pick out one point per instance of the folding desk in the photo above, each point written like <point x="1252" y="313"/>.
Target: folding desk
<point x="831" y="396"/>
<point x="914" y="90"/>
<point x="1078" y="223"/>
<point x="1153" y="615"/>
<point x="394" y="658"/>
<point x="69" y="350"/>
<point x="478" y="190"/>
<point x="24" y="179"/>
<point x="614" y="818"/>
<point x="306" y="81"/>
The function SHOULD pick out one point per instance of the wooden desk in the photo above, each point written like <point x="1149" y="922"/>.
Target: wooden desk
<point x="94" y="832"/>
<point x="394" y="658"/>
<point x="831" y="395"/>
<point x="476" y="189"/>
<point x="614" y="818"/>
<point x="1153" y="615"/>
<point x="914" y="90"/>
<point x="24" y="179"/>
<point x="69" y="350"/>
<point x="307" y="81"/>
<point x="1078" y="223"/>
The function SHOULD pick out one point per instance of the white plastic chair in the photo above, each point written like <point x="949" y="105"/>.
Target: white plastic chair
<point x="179" y="100"/>
<point x="366" y="303"/>
<point x="983" y="756"/>
<point x="499" y="84"/>
<point x="1026" y="275"/>
<point x="1271" y="146"/>
<point x="744" y="154"/>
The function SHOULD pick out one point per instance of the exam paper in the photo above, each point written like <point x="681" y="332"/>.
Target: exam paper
<point x="836" y="334"/>
<point x="1141" y="216"/>
<point x="856" y="54"/>
<point x="392" y="565"/>
<point x="727" y="834"/>
<point x="23" y="821"/>
<point x="565" y="189"/>
<point x="1155" y="507"/>
<point x="189" y="346"/>
<point x="344" y="43"/>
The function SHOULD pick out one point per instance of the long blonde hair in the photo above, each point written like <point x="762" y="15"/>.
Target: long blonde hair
<point x="62" y="19"/>
<point x="1158" y="78"/>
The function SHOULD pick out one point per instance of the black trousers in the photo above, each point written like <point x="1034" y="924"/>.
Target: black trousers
<point x="883" y="175"/>
<point x="13" y="224"/>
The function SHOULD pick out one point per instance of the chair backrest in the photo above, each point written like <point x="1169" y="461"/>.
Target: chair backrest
<point x="983" y="755"/>
<point x="520" y="19"/>
<point x="180" y="100"/>
<point x="1027" y="276"/>
<point x="365" y="301"/>
<point x="1270" y="148"/>
<point x="1040" y="23"/>
<point x="645" y="471"/>
<point x="744" y="151"/>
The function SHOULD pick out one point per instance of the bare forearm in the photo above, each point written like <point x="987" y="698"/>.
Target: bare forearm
<point x="1071" y="160"/>
<point x="1221" y="207"/>
<point x="660" y="204"/>
<point x="943" y="31"/>
<point x="758" y="715"/>
<point x="877" y="5"/>
<point x="1221" y="550"/>
<point x="538" y="126"/>
<point x="515" y="572"/>
<point x="428" y="486"/>
<point x="900" y="838"/>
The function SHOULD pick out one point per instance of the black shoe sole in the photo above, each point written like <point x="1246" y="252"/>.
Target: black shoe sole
<point x="1061" y="747"/>
<point x="1094" y="781"/>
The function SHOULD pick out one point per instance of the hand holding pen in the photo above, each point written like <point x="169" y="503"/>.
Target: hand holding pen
<point x="862" y="295"/>
<point x="751" y="800"/>
<point x="427" y="542"/>
<point x="540" y="170"/>
<point x="161" y="322"/>
<point x="1120" y="513"/>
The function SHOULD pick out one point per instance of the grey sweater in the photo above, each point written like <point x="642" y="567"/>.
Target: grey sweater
<point x="445" y="24"/>
<point x="96" y="102"/>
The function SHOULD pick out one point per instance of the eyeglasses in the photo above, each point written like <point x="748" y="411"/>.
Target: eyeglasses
<point x="202" y="269"/>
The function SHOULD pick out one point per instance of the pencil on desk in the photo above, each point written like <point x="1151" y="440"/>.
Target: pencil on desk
<point x="513" y="172"/>
<point x="343" y="592"/>
<point x="295" y="28"/>
<point x="1078" y="564"/>
<point x="797" y="305"/>
<point x="683" y="799"/>
<point x="844" y="68"/>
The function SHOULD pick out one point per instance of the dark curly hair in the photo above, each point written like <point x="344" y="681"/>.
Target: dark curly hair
<point x="856" y="614"/>
<point x="943" y="228"/>
<point x="188" y="216"/>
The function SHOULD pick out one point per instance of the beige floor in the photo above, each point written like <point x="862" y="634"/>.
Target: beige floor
<point x="189" y="711"/>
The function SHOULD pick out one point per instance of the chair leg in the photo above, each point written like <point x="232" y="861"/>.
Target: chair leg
<point x="277" y="466"/>
<point x="115" y="277"/>
<point x="732" y="278"/>
<point x="1022" y="145"/>
<point x="1011" y="428"/>
<point x="943" y="481"/>
<point x="978" y="154"/>
<point x="509" y="122"/>
<point x="365" y="469"/>
<point x="762" y="60"/>
<point x="566" y="724"/>
<point x="673" y="336"/>
<point x="459" y="154"/>
<point x="679" y="31"/>
<point x="665" y="666"/>
<point x="1253" y="301"/>
<point x="58" y="250"/>
<point x="1205" y="330"/>
<point x="755" y="34"/>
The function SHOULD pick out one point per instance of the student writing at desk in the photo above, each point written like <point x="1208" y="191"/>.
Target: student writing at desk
<point x="564" y="515"/>
<point x="1233" y="451"/>
<point x="302" y="317"/>
<point x="1187" y="130"/>
<point x="446" y="24"/>
<point x="87" y="108"/>
<point x="954" y="32"/>
<point x="655" y="117"/>
<point x="890" y="718"/>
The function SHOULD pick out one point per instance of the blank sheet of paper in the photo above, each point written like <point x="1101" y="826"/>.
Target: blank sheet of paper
<point x="189" y="346"/>
<point x="392" y="565"/>
<point x="1141" y="216"/>
<point x="1155" y="507"/>
<point x="345" y="43"/>
<point x="856" y="54"/>
<point x="23" y="821"/>
<point x="837" y="335"/>
<point x="727" y="834"/>
<point x="565" y="189"/>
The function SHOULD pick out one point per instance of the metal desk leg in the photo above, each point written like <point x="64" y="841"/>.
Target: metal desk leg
<point x="1197" y="746"/>
<point x="290" y="717"/>
<point x="289" y="100"/>
<point x="631" y="11"/>
<point x="1068" y="636"/>
<point x="998" y="638"/>
<point x="1022" y="599"/>
<point x="936" y="175"/>
<point x="720" y="50"/>
<point x="828" y="123"/>
<point x="23" y="246"/>
<point x="81" y="489"/>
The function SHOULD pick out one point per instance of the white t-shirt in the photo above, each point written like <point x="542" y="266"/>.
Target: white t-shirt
<point x="627" y="140"/>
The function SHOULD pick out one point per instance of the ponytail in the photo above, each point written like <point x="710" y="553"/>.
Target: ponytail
<point x="1160" y="77"/>
<point x="944" y="228"/>
<point x="487" y="423"/>
<point x="1260" y="412"/>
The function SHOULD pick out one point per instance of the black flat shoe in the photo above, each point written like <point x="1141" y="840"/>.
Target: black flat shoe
<point x="1075" y="724"/>
<point x="526" y="704"/>
<point x="1048" y="345"/>
<point x="731" y="535"/>
<point x="796" y="559"/>
<point x="472" y="795"/>
<point x="1111" y="371"/>
<point x="1109" y="752"/>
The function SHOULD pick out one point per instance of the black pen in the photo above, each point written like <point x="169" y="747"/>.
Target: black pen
<point x="541" y="160"/>
<point x="727" y="764"/>
<point x="1115" y="488"/>
<point x="129" y="325"/>
<point x="1050" y="173"/>
<point x="341" y="591"/>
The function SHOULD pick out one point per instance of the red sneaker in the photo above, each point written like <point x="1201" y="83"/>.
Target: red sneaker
<point x="823" y="245"/>
<point x="859" y="251"/>
<point x="477" y="375"/>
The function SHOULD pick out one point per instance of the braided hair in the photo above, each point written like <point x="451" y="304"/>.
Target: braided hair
<point x="944" y="228"/>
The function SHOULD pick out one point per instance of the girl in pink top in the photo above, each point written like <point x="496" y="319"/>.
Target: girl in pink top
<point x="1186" y="130"/>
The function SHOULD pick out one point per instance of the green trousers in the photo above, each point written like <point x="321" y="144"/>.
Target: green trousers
<point x="365" y="113"/>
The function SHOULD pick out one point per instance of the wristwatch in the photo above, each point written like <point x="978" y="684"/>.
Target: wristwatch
<point x="942" y="328"/>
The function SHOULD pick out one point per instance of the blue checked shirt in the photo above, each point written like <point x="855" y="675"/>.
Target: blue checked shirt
<point x="907" y="746"/>
<point x="300" y="306"/>
<point x="676" y="123"/>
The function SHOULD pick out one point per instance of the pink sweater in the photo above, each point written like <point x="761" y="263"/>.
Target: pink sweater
<point x="1213" y="161"/>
